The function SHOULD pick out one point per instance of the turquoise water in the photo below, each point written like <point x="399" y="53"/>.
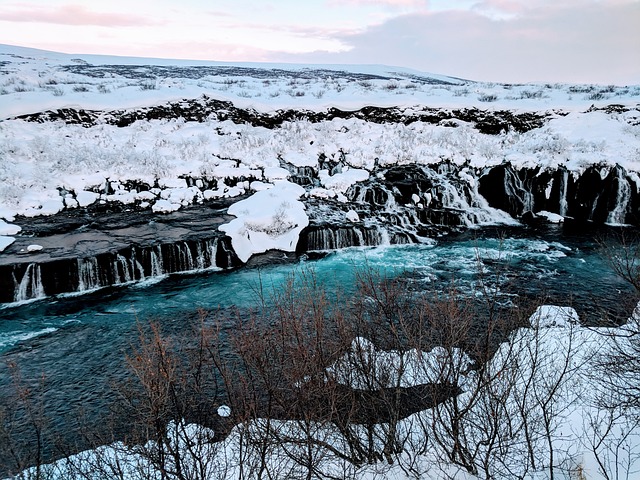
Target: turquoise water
<point x="77" y="343"/>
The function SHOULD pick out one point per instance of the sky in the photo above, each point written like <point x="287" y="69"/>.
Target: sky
<point x="577" y="41"/>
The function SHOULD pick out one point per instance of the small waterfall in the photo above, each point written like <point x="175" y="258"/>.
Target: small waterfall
<point x="186" y="262"/>
<point x="564" y="182"/>
<point x="30" y="287"/>
<point x="383" y="235"/>
<point x="156" y="261"/>
<point x="332" y="237"/>
<point x="623" y="196"/>
<point x="122" y="265"/>
<point x="471" y="207"/>
<point x="137" y="270"/>
<point x="130" y="264"/>
<point x="515" y="187"/>
<point x="88" y="274"/>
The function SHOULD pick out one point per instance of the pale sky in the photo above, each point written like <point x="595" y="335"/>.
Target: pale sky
<point x="583" y="41"/>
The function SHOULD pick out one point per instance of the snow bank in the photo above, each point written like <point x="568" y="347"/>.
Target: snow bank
<point x="268" y="220"/>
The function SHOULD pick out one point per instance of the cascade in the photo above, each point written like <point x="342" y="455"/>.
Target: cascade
<point x="137" y="266"/>
<point x="156" y="261"/>
<point x="88" y="277"/>
<point x="30" y="287"/>
<point x="134" y="263"/>
<point x="515" y="188"/>
<point x="122" y="269"/>
<point x="623" y="195"/>
<point x="399" y="204"/>
<point x="563" y="204"/>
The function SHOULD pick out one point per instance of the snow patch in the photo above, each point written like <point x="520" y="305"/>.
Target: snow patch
<point x="8" y="228"/>
<point x="5" y="242"/>
<point x="550" y="216"/>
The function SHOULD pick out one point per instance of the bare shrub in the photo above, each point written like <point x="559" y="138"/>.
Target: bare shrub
<point x="487" y="97"/>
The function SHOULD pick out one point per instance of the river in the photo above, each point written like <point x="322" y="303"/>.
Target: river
<point x="70" y="348"/>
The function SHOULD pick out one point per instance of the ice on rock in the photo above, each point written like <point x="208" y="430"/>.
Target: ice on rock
<point x="34" y="248"/>
<point x="172" y="183"/>
<point x="550" y="216"/>
<point x="258" y="186"/>
<point x="47" y="207"/>
<point x="181" y="196"/>
<point x="145" y="195"/>
<point x="318" y="192"/>
<point x="268" y="220"/>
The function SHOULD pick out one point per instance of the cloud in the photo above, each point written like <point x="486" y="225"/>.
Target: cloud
<point x="71" y="15"/>
<point x="388" y="3"/>
<point x="595" y="42"/>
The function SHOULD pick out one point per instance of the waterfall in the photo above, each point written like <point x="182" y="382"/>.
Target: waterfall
<point x="156" y="261"/>
<point x="471" y="207"/>
<point x="515" y="187"/>
<point x="564" y="181"/>
<point x="122" y="264"/>
<point x="88" y="274"/>
<point x="623" y="195"/>
<point x="30" y="287"/>
<point x="332" y="237"/>
<point x="186" y="263"/>
<point x="137" y="271"/>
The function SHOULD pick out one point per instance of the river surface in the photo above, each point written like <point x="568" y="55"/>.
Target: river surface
<point x="72" y="347"/>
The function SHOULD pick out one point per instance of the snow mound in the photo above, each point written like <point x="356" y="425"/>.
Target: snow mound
<point x="554" y="316"/>
<point x="268" y="220"/>
<point x="224" y="411"/>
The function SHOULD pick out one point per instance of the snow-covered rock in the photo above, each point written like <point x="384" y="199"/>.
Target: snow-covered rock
<point x="554" y="316"/>
<point x="165" y="206"/>
<point x="352" y="216"/>
<point x="340" y="182"/>
<point x="224" y="411"/>
<point x="268" y="220"/>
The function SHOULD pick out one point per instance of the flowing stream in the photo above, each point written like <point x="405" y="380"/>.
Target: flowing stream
<point x="72" y="347"/>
